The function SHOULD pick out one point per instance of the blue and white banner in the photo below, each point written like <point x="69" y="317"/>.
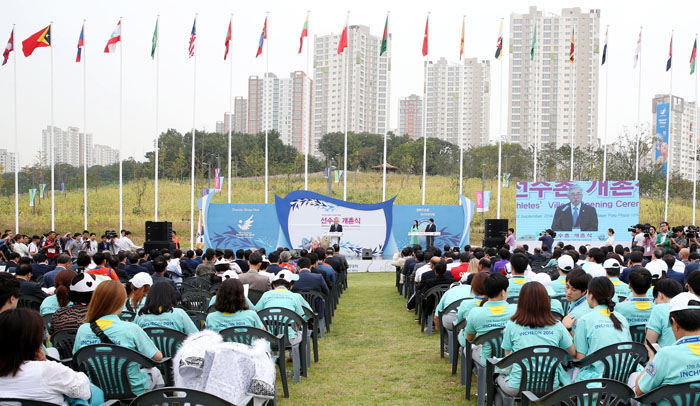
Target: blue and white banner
<point x="661" y="133"/>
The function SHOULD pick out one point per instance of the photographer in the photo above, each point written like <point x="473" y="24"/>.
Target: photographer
<point x="691" y="235"/>
<point x="547" y="238"/>
<point x="678" y="239"/>
<point x="663" y="238"/>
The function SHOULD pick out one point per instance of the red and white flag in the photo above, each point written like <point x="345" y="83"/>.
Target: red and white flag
<point x="114" y="39"/>
<point x="193" y="38"/>
<point x="9" y="48"/>
<point x="343" y="43"/>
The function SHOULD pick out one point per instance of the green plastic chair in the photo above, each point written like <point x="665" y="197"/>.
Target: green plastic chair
<point x="603" y="392"/>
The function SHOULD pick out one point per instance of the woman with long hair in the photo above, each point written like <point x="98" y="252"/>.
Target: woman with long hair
<point x="160" y="310"/>
<point x="600" y="327"/>
<point x="25" y="373"/>
<point x="60" y="298"/>
<point x="415" y="228"/>
<point x="103" y="314"/>
<point x="140" y="285"/>
<point x="231" y="308"/>
<point x="531" y="325"/>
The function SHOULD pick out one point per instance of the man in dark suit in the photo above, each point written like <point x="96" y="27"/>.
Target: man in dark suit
<point x="430" y="228"/>
<point x="133" y="268"/>
<point x="40" y="266"/>
<point x="431" y="279"/>
<point x="103" y="245"/>
<point x="310" y="281"/>
<point x="26" y="286"/>
<point x="575" y="214"/>
<point x="336" y="227"/>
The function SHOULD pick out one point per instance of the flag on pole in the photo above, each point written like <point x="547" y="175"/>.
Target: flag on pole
<point x="114" y="38"/>
<point x="571" y="52"/>
<point x="37" y="40"/>
<point x="534" y="41"/>
<point x="81" y="44"/>
<point x="9" y="48"/>
<point x="638" y="50"/>
<point x="461" y="44"/>
<point x="425" y="38"/>
<point x="693" y="56"/>
<point x="263" y="36"/>
<point x="304" y="32"/>
<point x="670" y="55"/>
<point x="193" y="38"/>
<point x="499" y="43"/>
<point x="32" y="196"/>
<point x="154" y="41"/>
<point x="228" y="39"/>
<point x="605" y="47"/>
<point x="385" y="38"/>
<point x="343" y="43"/>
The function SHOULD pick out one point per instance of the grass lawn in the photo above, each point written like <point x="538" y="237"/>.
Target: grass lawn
<point x="376" y="354"/>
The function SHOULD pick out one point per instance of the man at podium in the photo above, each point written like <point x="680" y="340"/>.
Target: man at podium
<point x="336" y="227"/>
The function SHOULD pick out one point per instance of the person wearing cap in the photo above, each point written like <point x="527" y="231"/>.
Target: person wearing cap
<point x="576" y="290"/>
<point x="80" y="294"/>
<point x="677" y="363"/>
<point x="659" y="329"/>
<point x="160" y="310"/>
<point x="637" y="308"/>
<point x="612" y="270"/>
<point x="140" y="285"/>
<point x="282" y="296"/>
<point x="230" y="275"/>
<point x="253" y="277"/>
<point x="564" y="265"/>
<point x="544" y="280"/>
<point x="232" y="309"/>
<point x="479" y="295"/>
<point x="519" y="263"/>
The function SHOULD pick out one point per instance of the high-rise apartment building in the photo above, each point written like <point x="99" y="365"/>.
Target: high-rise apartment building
<point x="103" y="155"/>
<point x="411" y="116"/>
<point x="367" y="93"/>
<point x="544" y="97"/>
<point x="683" y="132"/>
<point x="71" y="147"/>
<point x="458" y="99"/>
<point x="8" y="160"/>
<point x="220" y="129"/>
<point x="240" y="115"/>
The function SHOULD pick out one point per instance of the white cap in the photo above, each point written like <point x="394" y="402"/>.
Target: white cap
<point x="680" y="302"/>
<point x="221" y="261"/>
<point x="286" y="275"/>
<point x="611" y="263"/>
<point x="264" y="259"/>
<point x="542" y="278"/>
<point x="596" y="270"/>
<point x="84" y="282"/>
<point x="229" y="275"/>
<point x="565" y="263"/>
<point x="141" y="279"/>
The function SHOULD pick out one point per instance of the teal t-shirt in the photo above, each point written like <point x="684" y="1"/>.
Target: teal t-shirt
<point x="490" y="316"/>
<point x="452" y="295"/>
<point x="557" y="307"/>
<point x="218" y="321"/>
<point x="462" y="311"/>
<point x="517" y="337"/>
<point x="282" y="297"/>
<point x="125" y="334"/>
<point x="659" y="322"/>
<point x="621" y="288"/>
<point x="636" y="310"/>
<point x="177" y="319"/>
<point x="678" y="363"/>
<point x="559" y="285"/>
<point x="50" y="305"/>
<point x="578" y="308"/>
<point x="515" y="284"/>
<point x="131" y="305"/>
<point x="595" y="330"/>
<point x="248" y="302"/>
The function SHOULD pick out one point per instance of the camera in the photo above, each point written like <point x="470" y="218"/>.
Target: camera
<point x="111" y="234"/>
<point x="691" y="232"/>
<point x="644" y="227"/>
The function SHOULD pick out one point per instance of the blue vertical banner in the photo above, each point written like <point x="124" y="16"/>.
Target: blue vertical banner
<point x="41" y="190"/>
<point x="32" y="196"/>
<point x="662" y="133"/>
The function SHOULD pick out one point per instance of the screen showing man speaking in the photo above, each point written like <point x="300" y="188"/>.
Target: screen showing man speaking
<point x="577" y="211"/>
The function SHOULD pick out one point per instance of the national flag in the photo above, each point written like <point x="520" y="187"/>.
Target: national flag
<point x="693" y="56"/>
<point x="605" y="47"/>
<point x="154" y="40"/>
<point x="571" y="52"/>
<point x="425" y="38"/>
<point x="534" y="41"/>
<point x="499" y="43"/>
<point x="461" y="44"/>
<point x="385" y="38"/>
<point x="304" y="32"/>
<point x="193" y="38"/>
<point x="638" y="50"/>
<point x="9" y="48"/>
<point x="228" y="38"/>
<point x="670" y="55"/>
<point x="81" y="44"/>
<point x="37" y="40"/>
<point x="114" y="38"/>
<point x="343" y="43"/>
<point x="263" y="37"/>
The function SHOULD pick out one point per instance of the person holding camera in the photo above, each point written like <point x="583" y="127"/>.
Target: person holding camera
<point x="678" y="239"/>
<point x="547" y="238"/>
<point x="663" y="237"/>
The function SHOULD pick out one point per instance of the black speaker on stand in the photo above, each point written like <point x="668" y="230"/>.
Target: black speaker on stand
<point x="158" y="236"/>
<point x="495" y="232"/>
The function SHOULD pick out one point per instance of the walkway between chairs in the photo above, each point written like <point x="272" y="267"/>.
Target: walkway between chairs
<point x="376" y="354"/>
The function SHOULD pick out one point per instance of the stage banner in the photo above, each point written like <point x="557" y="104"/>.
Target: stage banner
<point x="306" y="217"/>
<point x="576" y="211"/>
<point x="243" y="226"/>
<point x="661" y="132"/>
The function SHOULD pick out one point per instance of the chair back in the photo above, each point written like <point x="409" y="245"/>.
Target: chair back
<point x="29" y="301"/>
<point x="24" y="402"/>
<point x="63" y="341"/>
<point x="279" y="321"/>
<point x="602" y="392"/>
<point x="684" y="394"/>
<point x="452" y="307"/>
<point x="513" y="299"/>
<point x="198" y="318"/>
<point x="47" y="320"/>
<point x="167" y="340"/>
<point x="638" y="333"/>
<point x="435" y="292"/>
<point x="195" y="300"/>
<point x="493" y="339"/>
<point x="127" y="316"/>
<point x="247" y="335"/>
<point x="107" y="366"/>
<point x="196" y="282"/>
<point x="178" y="397"/>
<point x="538" y="367"/>
<point x="254" y="295"/>
<point x="619" y="360"/>
<point x="316" y="299"/>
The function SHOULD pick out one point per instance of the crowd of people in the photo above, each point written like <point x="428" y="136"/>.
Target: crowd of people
<point x="106" y="295"/>
<point x="580" y="300"/>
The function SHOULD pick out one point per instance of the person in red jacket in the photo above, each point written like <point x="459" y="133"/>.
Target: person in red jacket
<point x="100" y="260"/>
<point x="51" y="246"/>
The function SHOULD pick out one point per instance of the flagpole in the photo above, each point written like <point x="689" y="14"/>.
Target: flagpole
<point x="388" y="109"/>
<point x="230" y="109"/>
<point x="572" y="111"/>
<point x="53" y="207"/>
<point x="14" y="63"/>
<point x="267" y="72"/>
<point x="605" y="134"/>
<point x="670" y="129"/>
<point x="307" y="133"/>
<point x="461" y="109"/>
<point x="347" y="81"/>
<point x="425" y="110"/>
<point x="500" y="128"/>
<point x="194" y="125"/>
<point x="121" y="125"/>
<point x="85" y="146"/>
<point x="695" y="139"/>
<point x="155" y="217"/>
<point x="639" y="109"/>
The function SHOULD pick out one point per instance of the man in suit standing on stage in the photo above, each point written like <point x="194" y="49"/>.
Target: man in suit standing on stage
<point x="430" y="228"/>
<point x="575" y="214"/>
<point x="336" y="227"/>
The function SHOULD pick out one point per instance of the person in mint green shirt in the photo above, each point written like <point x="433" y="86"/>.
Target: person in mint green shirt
<point x="680" y="362"/>
<point x="637" y="308"/>
<point x="467" y="305"/>
<point x="659" y="327"/>
<point x="106" y="305"/>
<point x="519" y="263"/>
<point x="457" y="292"/>
<point x="492" y="314"/>
<point x="160" y="310"/>
<point x="565" y="264"/>
<point x="231" y="309"/>
<point x="62" y="282"/>
<point x="600" y="327"/>
<point x="576" y="290"/>
<point x="533" y="325"/>
<point x="555" y="305"/>
<point x="612" y="269"/>
<point x="282" y="296"/>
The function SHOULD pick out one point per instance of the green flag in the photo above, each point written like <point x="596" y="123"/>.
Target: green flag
<point x="154" y="45"/>
<point x="534" y="40"/>
<point x="385" y="37"/>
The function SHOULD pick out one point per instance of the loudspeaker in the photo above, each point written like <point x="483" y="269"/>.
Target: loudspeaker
<point x="495" y="242"/>
<point x="496" y="228"/>
<point x="159" y="230"/>
<point x="148" y="246"/>
<point x="366" y="253"/>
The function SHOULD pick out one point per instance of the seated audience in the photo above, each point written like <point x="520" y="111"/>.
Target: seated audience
<point x="59" y="299"/>
<point x="80" y="293"/>
<point x="140" y="285"/>
<point x="160" y="310"/>
<point x="637" y="308"/>
<point x="231" y="308"/>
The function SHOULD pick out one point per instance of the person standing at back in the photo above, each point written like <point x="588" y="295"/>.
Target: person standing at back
<point x="430" y="228"/>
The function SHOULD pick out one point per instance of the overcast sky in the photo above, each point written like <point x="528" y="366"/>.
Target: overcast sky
<point x="284" y="26"/>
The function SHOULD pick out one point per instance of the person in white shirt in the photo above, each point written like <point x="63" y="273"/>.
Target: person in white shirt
<point x="657" y="265"/>
<point x="20" y="245"/>
<point x="611" y="238"/>
<point x="426" y="268"/>
<point x="91" y="245"/>
<point x="125" y="242"/>
<point x="34" y="245"/>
